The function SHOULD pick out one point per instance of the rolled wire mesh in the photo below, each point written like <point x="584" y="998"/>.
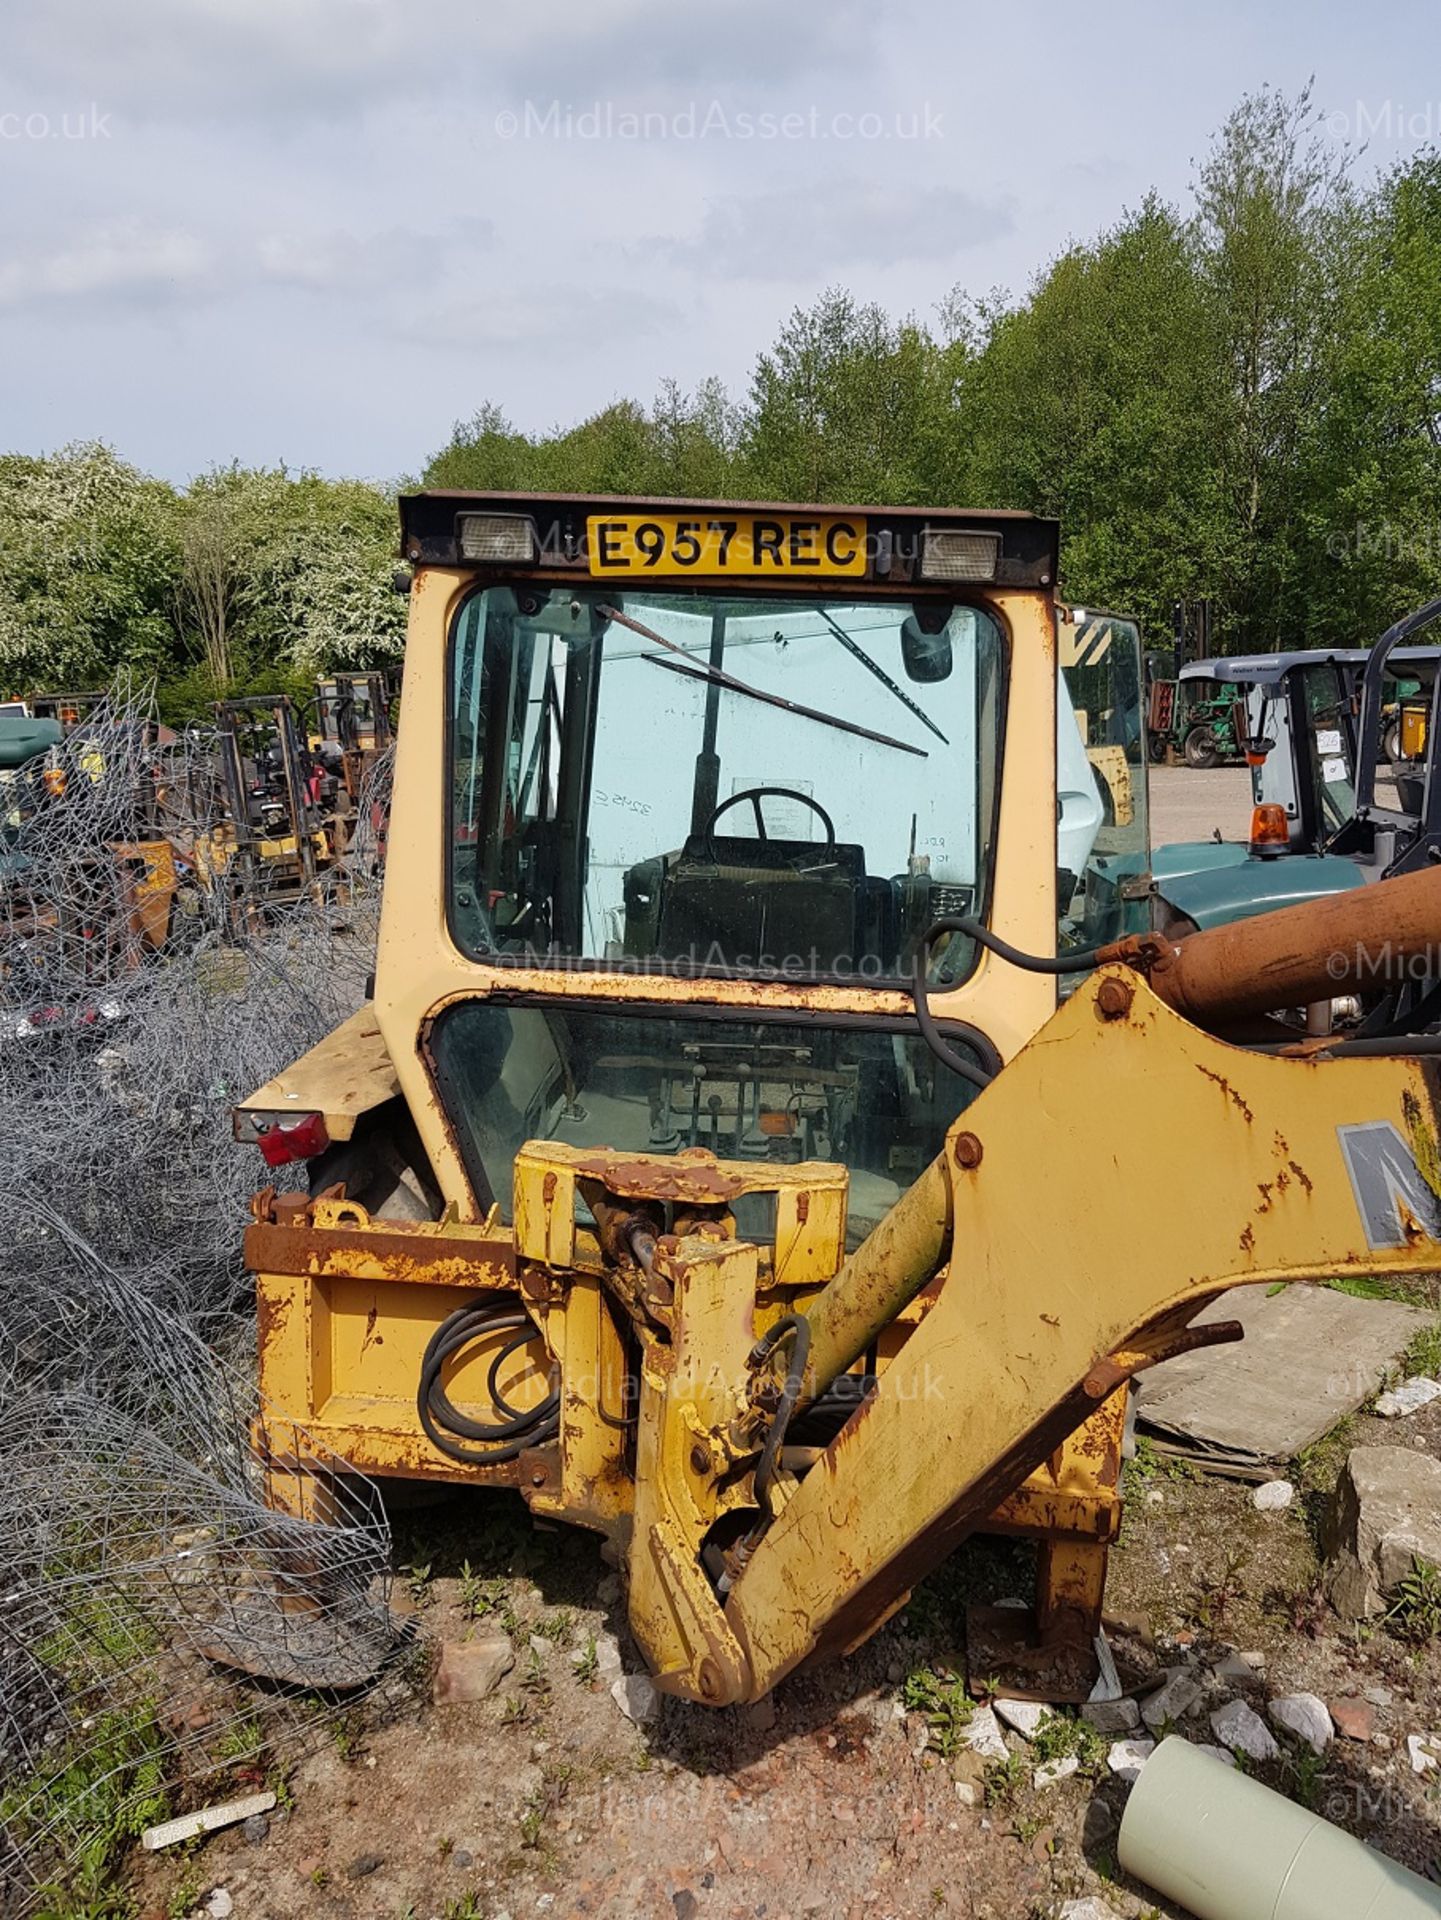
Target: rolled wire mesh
<point x="188" y="1582"/>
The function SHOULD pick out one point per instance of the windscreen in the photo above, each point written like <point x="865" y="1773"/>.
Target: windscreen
<point x="782" y="786"/>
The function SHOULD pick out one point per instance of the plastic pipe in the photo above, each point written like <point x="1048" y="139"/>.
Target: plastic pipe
<point x="1226" y="1847"/>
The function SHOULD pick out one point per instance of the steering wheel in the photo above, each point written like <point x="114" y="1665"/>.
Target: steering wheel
<point x="755" y="795"/>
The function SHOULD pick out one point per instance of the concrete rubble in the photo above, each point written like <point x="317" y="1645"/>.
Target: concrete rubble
<point x="1384" y="1517"/>
<point x="1237" y="1726"/>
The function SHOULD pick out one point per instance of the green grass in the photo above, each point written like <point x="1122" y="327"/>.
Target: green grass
<point x="95" y="1793"/>
<point x="1415" y="1612"/>
<point x="1424" y="1353"/>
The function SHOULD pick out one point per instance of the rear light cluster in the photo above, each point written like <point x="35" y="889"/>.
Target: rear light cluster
<point x="298" y="1136"/>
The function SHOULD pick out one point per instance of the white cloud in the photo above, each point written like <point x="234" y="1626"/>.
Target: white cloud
<point x="123" y="260"/>
<point x="823" y="229"/>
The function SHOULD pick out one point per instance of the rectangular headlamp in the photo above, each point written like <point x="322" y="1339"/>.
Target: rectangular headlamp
<point x="496" y="539"/>
<point x="952" y="553"/>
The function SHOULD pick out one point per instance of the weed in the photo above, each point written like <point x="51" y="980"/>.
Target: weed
<point x="1150" y="1463"/>
<point x="466" y="1907"/>
<point x="1415" y="1613"/>
<point x="1004" y="1779"/>
<point x="942" y="1698"/>
<point x="1424" y="1353"/>
<point x="417" y="1584"/>
<point x="1216" y="1594"/>
<point x="320" y="1878"/>
<point x="1059" y="1737"/>
<point x="588" y="1665"/>
<point x="516" y="1712"/>
<point x="243" y="1740"/>
<point x="1305" y="1769"/>
<point x="535" y="1679"/>
<point x="105" y="1791"/>
<point x="186" y="1896"/>
<point x="278" y="1782"/>
<point x="1318" y="1466"/>
<point x="347" y="1736"/>
<point x="445" y="1848"/>
<point x="555" y="1626"/>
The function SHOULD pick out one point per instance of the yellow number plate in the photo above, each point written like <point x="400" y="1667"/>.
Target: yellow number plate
<point x="752" y="543"/>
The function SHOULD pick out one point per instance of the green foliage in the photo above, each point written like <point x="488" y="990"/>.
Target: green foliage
<point x="1061" y="1736"/>
<point x="101" y="1789"/>
<point x="942" y="1698"/>
<point x="1423" y="1355"/>
<point x="1415" y="1613"/>
<point x="1232" y="400"/>
<point x="247" y="581"/>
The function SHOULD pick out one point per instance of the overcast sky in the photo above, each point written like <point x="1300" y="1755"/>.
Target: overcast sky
<point x="318" y="231"/>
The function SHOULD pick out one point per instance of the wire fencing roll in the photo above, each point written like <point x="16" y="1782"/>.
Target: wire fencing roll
<point x="189" y="1585"/>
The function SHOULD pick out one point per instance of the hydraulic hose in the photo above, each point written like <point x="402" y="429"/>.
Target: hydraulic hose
<point x="799" y="1327"/>
<point x="1029" y="962"/>
<point x="445" y="1426"/>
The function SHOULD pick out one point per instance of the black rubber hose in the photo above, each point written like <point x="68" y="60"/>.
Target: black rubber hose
<point x="445" y="1426"/>
<point x="982" y="935"/>
<point x="797" y="1324"/>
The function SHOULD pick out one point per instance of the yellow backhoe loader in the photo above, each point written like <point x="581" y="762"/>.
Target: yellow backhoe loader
<point x="752" y="1146"/>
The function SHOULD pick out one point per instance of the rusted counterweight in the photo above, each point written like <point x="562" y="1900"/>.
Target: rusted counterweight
<point x="1346" y="943"/>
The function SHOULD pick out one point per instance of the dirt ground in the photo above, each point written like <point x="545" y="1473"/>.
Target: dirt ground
<point x="831" y="1799"/>
<point x="835" y="1798"/>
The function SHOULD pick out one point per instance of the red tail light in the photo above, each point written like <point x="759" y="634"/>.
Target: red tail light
<point x="299" y="1138"/>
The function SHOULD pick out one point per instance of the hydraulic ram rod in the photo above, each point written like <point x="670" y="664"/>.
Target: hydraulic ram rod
<point x="1373" y="937"/>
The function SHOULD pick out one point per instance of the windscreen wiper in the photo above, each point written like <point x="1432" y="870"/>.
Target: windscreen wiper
<point x="858" y="652"/>
<point x="717" y="676"/>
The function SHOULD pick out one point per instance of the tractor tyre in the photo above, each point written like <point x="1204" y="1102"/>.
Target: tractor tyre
<point x="1391" y="743"/>
<point x="1158" y="749"/>
<point x="1201" y="749"/>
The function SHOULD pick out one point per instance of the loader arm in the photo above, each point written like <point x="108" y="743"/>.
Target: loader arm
<point x="1043" y="1310"/>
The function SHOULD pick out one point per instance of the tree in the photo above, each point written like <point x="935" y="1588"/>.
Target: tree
<point x="89" y="556"/>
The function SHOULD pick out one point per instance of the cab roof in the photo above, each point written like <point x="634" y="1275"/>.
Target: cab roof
<point x="1027" y="553"/>
<point x="1265" y="669"/>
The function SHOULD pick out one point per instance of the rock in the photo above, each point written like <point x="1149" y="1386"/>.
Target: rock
<point x="1099" y="1825"/>
<point x="1305" y="1716"/>
<point x="1171" y="1702"/>
<point x="220" y="1906"/>
<point x="607" y="1653"/>
<point x="1235" y="1670"/>
<point x="1111" y="1716"/>
<point x="637" y="1699"/>
<point x="1155" y="1497"/>
<point x="1223" y="1754"/>
<point x="969" y="1794"/>
<point x="472" y="1669"/>
<point x="1353" y="1719"/>
<point x="1378" y="1696"/>
<point x="1384" y="1516"/>
<point x="1127" y="1757"/>
<point x="685" y="1904"/>
<point x="254" y="1830"/>
<point x="1024" y="1715"/>
<point x="762" y="1716"/>
<point x="1274" y="1497"/>
<point x="982" y="1734"/>
<point x="1424" y="1751"/>
<point x="1055" y="1770"/>
<point x="1088" y="1909"/>
<point x="539" y="1645"/>
<point x="1409" y="1397"/>
<point x="1236" y="1726"/>
<point x="363" y="1865"/>
<point x="607" y="1589"/>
